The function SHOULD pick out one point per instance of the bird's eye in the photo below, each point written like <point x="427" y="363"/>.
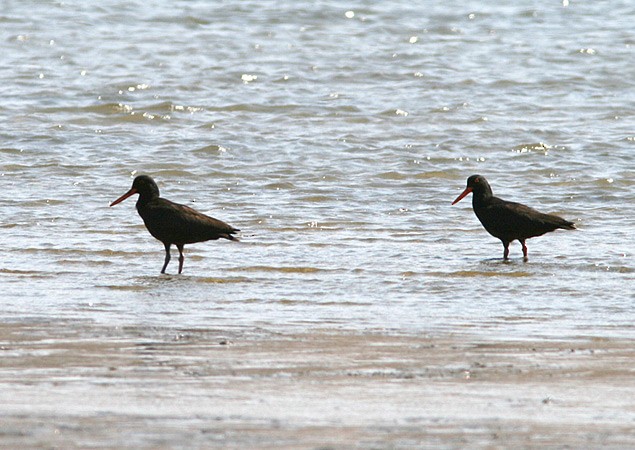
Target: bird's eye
<point x="477" y="180"/>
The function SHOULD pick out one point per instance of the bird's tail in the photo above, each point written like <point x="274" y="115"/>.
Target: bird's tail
<point x="230" y="235"/>
<point x="566" y="225"/>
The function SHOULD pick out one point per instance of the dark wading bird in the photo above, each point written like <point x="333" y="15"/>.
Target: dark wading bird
<point x="509" y="221"/>
<point x="172" y="223"/>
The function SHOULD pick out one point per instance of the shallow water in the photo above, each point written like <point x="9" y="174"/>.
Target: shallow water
<point x="335" y="138"/>
<point x="360" y="308"/>
<point x="336" y="144"/>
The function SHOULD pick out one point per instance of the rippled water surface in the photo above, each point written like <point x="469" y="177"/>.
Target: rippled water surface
<point x="335" y="137"/>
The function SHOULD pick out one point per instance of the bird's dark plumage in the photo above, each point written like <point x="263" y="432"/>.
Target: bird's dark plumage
<point x="509" y="221"/>
<point x="173" y="223"/>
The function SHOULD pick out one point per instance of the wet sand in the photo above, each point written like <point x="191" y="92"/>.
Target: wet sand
<point x="74" y="384"/>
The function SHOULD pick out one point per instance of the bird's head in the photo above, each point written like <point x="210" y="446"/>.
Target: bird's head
<point x="476" y="184"/>
<point x="142" y="185"/>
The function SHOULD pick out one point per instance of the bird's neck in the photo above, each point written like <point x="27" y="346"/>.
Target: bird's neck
<point x="143" y="200"/>
<point x="482" y="197"/>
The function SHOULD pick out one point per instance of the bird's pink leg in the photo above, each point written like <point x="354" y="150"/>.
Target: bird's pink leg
<point x="167" y="256"/>
<point x="181" y="257"/>
<point x="522" y="242"/>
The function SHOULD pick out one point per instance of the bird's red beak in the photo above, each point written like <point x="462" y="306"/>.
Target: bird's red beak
<point x="124" y="196"/>
<point x="458" y="199"/>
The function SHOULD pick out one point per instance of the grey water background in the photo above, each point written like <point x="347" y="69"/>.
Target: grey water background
<point x="335" y="135"/>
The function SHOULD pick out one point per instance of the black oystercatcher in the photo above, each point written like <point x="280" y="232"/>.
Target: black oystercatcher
<point x="509" y="221"/>
<point x="172" y="223"/>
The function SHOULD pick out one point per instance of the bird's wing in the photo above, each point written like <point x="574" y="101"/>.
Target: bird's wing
<point x="528" y="214"/>
<point x="178" y="223"/>
<point x="514" y="218"/>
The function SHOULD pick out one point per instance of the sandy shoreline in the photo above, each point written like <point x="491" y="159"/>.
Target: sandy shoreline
<point x="68" y="385"/>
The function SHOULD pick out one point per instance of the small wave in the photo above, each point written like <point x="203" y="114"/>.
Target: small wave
<point x="10" y="151"/>
<point x="126" y="287"/>
<point x="23" y="272"/>
<point x="481" y="273"/>
<point x="281" y="269"/>
<point x="70" y="262"/>
<point x="43" y="202"/>
<point x="217" y="280"/>
<point x="82" y="252"/>
<point x="213" y="148"/>
<point x="280" y="185"/>
<point x="392" y="175"/>
<point x="532" y="147"/>
<point x="316" y="198"/>
<point x="446" y="175"/>
<point x="174" y="173"/>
